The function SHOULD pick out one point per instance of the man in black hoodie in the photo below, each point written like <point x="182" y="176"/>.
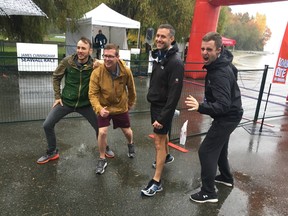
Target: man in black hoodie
<point x="164" y="92"/>
<point x="223" y="103"/>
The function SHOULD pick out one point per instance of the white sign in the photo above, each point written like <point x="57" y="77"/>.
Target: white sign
<point x="135" y="51"/>
<point x="37" y="57"/>
<point x="125" y="55"/>
<point x="150" y="63"/>
<point x="183" y="133"/>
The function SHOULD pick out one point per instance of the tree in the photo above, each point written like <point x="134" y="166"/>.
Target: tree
<point x="251" y="33"/>
<point x="33" y="28"/>
<point x="222" y="21"/>
<point x="263" y="29"/>
<point x="150" y="13"/>
<point x="267" y="35"/>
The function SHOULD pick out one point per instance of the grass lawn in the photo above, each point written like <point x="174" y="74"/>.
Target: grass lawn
<point x="55" y="38"/>
<point x="9" y="51"/>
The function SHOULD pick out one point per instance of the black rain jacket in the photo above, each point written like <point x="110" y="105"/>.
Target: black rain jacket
<point x="222" y="94"/>
<point x="166" y="83"/>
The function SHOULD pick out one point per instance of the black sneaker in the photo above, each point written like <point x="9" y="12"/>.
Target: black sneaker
<point x="101" y="165"/>
<point x="201" y="197"/>
<point x="220" y="179"/>
<point x="151" y="189"/>
<point x="109" y="153"/>
<point x="131" y="151"/>
<point x="48" y="157"/>
<point x="169" y="159"/>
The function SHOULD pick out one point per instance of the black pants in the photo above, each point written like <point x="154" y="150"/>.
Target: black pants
<point x="98" y="53"/>
<point x="57" y="113"/>
<point x="214" y="151"/>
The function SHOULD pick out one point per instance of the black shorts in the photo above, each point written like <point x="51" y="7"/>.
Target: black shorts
<point x="155" y="111"/>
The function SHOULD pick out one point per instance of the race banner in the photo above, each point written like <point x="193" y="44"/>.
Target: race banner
<point x="281" y="68"/>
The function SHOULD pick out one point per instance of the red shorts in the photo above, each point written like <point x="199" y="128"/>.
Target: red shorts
<point x="119" y="120"/>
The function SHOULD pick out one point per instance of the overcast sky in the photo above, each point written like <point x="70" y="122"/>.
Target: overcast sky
<point x="276" y="19"/>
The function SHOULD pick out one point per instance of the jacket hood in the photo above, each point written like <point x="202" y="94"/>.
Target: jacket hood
<point x="172" y="50"/>
<point x="225" y="52"/>
<point x="225" y="58"/>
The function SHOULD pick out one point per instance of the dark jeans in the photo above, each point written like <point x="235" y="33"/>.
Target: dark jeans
<point x="57" y="113"/>
<point x="98" y="53"/>
<point x="213" y="151"/>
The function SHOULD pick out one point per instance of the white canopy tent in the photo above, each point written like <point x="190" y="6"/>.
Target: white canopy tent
<point x="112" y="24"/>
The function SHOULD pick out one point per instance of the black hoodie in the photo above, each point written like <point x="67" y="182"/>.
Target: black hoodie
<point x="166" y="83"/>
<point x="222" y="93"/>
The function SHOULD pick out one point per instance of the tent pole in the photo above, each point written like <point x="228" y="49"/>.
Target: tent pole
<point x="138" y="41"/>
<point x="109" y="34"/>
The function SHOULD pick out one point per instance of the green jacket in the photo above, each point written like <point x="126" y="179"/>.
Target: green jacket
<point x="76" y="85"/>
<point x="118" y="94"/>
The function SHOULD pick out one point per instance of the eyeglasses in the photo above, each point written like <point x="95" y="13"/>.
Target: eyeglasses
<point x="108" y="56"/>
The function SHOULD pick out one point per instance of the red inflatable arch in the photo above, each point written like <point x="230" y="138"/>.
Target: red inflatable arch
<point x="205" y="19"/>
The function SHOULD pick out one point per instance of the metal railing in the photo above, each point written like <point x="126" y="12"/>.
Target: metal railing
<point x="28" y="96"/>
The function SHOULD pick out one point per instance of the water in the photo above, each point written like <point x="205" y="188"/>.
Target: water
<point x="250" y="81"/>
<point x="255" y="60"/>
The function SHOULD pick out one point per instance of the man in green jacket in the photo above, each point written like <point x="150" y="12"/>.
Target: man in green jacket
<point x="112" y="93"/>
<point x="76" y="69"/>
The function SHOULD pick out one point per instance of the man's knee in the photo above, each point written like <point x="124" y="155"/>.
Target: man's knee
<point x="160" y="141"/>
<point x="127" y="131"/>
<point x="102" y="132"/>
<point x="47" y="124"/>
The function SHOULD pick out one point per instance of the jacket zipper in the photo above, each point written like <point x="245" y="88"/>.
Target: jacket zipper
<point x="79" y="90"/>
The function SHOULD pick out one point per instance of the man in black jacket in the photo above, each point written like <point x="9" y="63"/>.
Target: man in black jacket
<point x="100" y="42"/>
<point x="164" y="92"/>
<point x="223" y="103"/>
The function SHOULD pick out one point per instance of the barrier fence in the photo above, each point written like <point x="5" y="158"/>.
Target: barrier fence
<point x="28" y="96"/>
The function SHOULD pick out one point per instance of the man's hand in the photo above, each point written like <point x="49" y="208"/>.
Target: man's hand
<point x="157" y="125"/>
<point x="130" y="107"/>
<point x="104" y="112"/>
<point x="97" y="63"/>
<point x="58" y="101"/>
<point x="192" y="102"/>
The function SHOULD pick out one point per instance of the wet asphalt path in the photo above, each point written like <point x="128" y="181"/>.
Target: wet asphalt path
<point x="69" y="186"/>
